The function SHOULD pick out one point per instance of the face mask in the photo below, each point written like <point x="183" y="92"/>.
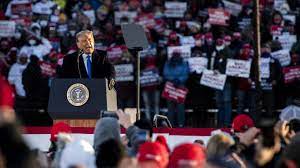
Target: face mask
<point x="198" y="43"/>
<point x="74" y="15"/>
<point x="17" y="35"/>
<point x="218" y="48"/>
<point x="227" y="43"/>
<point x="38" y="33"/>
<point x="158" y="14"/>
<point x="54" y="18"/>
<point x="43" y="23"/>
<point x="32" y="42"/>
<point x="72" y="32"/>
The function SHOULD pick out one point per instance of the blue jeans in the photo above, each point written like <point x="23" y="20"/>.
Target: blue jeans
<point x="176" y="110"/>
<point x="246" y="99"/>
<point x="151" y="101"/>
<point x="223" y="100"/>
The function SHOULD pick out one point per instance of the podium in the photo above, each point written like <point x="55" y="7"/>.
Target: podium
<point x="79" y="102"/>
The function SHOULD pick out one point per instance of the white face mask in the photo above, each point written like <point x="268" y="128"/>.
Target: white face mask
<point x="43" y="23"/>
<point x="72" y="32"/>
<point x="32" y="42"/>
<point x="227" y="43"/>
<point x="74" y="15"/>
<point x="17" y="35"/>
<point x="218" y="48"/>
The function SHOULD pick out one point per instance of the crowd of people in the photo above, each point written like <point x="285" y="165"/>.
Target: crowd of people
<point x="214" y="31"/>
<point x="266" y="144"/>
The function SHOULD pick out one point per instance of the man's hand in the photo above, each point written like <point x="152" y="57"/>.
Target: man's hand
<point x="124" y="119"/>
<point x="247" y="138"/>
<point x="111" y="84"/>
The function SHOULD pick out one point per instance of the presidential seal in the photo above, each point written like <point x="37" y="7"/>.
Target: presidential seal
<point x="78" y="94"/>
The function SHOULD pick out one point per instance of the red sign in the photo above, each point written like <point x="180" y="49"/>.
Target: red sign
<point x="291" y="74"/>
<point x="114" y="53"/>
<point x="19" y="8"/>
<point x="276" y="30"/>
<point x="170" y="92"/>
<point x="146" y="20"/>
<point x="48" y="69"/>
<point x="218" y="16"/>
<point x="24" y="21"/>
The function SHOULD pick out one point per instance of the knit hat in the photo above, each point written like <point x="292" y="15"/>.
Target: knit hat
<point x="187" y="155"/>
<point x="57" y="128"/>
<point x="153" y="151"/>
<point x="162" y="140"/>
<point x="242" y="123"/>
<point x="78" y="153"/>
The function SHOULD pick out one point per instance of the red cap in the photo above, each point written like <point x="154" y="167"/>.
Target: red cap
<point x="220" y="41"/>
<point x="183" y="24"/>
<point x="242" y="123"/>
<point x="7" y="94"/>
<point x="198" y="37"/>
<point x="187" y="155"/>
<point x="153" y="151"/>
<point x="57" y="128"/>
<point x="237" y="34"/>
<point x="227" y="38"/>
<point x="247" y="46"/>
<point x="162" y="140"/>
<point x="173" y="34"/>
<point x="208" y="36"/>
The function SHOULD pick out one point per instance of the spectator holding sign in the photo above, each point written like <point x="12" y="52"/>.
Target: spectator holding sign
<point x="223" y="97"/>
<point x="246" y="95"/>
<point x="176" y="70"/>
<point x="150" y="90"/>
<point x="291" y="75"/>
<point x="270" y="76"/>
<point x="15" y="74"/>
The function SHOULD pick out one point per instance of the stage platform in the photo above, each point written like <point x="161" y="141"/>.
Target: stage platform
<point x="39" y="137"/>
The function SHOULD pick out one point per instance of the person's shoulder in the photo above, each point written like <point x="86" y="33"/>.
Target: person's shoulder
<point x="100" y="53"/>
<point x="72" y="55"/>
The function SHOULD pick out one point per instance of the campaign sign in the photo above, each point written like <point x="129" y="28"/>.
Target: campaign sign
<point x="283" y="56"/>
<point x="149" y="77"/>
<point x="291" y="74"/>
<point x="213" y="80"/>
<point x="124" y="72"/>
<point x="197" y="64"/>
<point x="238" y="68"/>
<point x="170" y="92"/>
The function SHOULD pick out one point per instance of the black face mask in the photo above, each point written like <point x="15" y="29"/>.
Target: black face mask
<point x="120" y="41"/>
<point x="176" y="60"/>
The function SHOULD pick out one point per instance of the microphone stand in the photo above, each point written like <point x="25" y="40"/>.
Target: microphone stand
<point x="136" y="51"/>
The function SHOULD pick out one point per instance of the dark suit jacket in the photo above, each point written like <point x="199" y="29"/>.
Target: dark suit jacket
<point x="101" y="68"/>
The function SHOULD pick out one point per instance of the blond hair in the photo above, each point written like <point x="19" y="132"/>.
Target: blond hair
<point x="218" y="145"/>
<point x="82" y="33"/>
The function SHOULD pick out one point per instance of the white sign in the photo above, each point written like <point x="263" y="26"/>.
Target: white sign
<point x="124" y="14"/>
<point x="286" y="40"/>
<point x="175" y="9"/>
<point x="150" y="51"/>
<point x="187" y="40"/>
<point x="238" y="68"/>
<point x="197" y="64"/>
<point x="124" y="72"/>
<point x="278" y="4"/>
<point x="210" y="79"/>
<point x="233" y="8"/>
<point x="291" y="18"/>
<point x="185" y="51"/>
<point x="265" y="67"/>
<point x="7" y="28"/>
<point x="283" y="56"/>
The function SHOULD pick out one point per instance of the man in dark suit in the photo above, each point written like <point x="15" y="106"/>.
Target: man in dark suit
<point x="87" y="62"/>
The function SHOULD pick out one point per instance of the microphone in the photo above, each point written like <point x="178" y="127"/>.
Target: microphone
<point x="80" y="52"/>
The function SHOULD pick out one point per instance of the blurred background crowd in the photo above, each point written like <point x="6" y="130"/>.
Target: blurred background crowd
<point x="187" y="40"/>
<point x="184" y="75"/>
